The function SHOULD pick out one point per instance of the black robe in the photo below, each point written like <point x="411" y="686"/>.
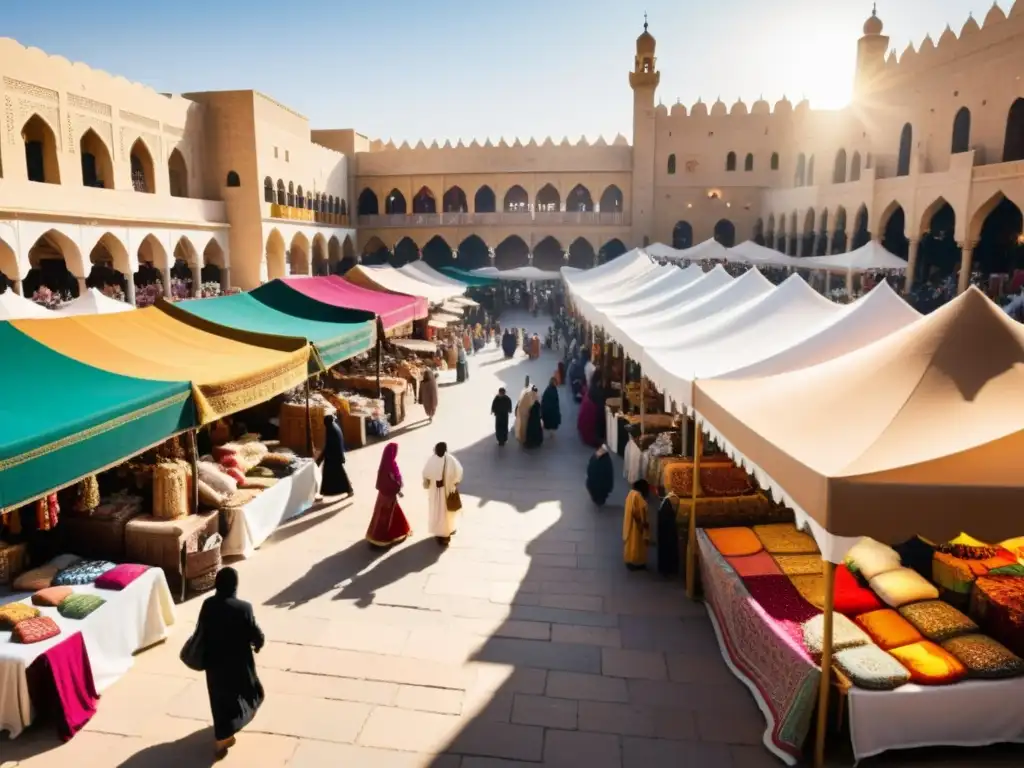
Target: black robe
<point x="600" y="477"/>
<point x="332" y="463"/>
<point x="501" y="407"/>
<point x="534" y="428"/>
<point x="550" y="408"/>
<point x="668" y="538"/>
<point x="230" y="635"/>
<point x="508" y="344"/>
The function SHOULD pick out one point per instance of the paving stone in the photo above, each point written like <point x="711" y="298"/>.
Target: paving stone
<point x="571" y="685"/>
<point x="573" y="602"/>
<point x="570" y="749"/>
<point x="622" y="719"/>
<point x="643" y="665"/>
<point x="409" y="731"/>
<point x="561" y="616"/>
<point x="319" y="754"/>
<point x="606" y="637"/>
<point x="545" y="711"/>
<point x="644" y="753"/>
<point x="305" y="717"/>
<point x="492" y="739"/>
<point x="443" y="700"/>
<point x="569" y="657"/>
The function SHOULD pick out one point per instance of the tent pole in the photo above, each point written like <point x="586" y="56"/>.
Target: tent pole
<point x="826" y="666"/>
<point x="378" y="366"/>
<point x="193" y="452"/>
<point x="643" y="401"/>
<point x="625" y="381"/>
<point x="691" y="533"/>
<point x="309" y="425"/>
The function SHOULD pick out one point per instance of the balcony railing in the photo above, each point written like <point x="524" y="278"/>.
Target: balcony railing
<point x="515" y="218"/>
<point x="292" y="213"/>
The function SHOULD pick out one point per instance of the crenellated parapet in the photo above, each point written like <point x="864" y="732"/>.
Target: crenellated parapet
<point x="548" y="142"/>
<point x="738" y="110"/>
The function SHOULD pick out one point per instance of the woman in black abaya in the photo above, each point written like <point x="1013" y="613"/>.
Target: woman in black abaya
<point x="334" y="479"/>
<point x="230" y="635"/>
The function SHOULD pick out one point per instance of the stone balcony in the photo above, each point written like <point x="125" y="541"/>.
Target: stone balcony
<point x="294" y="213"/>
<point x="511" y="218"/>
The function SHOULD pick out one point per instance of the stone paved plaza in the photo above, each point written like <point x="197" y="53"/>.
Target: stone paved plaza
<point x="526" y="643"/>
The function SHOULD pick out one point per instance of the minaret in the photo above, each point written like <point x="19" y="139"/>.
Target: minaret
<point x="871" y="50"/>
<point x="644" y="81"/>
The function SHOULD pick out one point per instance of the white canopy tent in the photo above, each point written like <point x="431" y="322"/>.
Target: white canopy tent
<point x="705" y="299"/>
<point x="589" y="302"/>
<point x="401" y="282"/>
<point x="607" y="273"/>
<point x="709" y="249"/>
<point x="647" y="297"/>
<point x="93" y="302"/>
<point x="518" y="273"/>
<point x="749" y="252"/>
<point x="786" y="316"/>
<point x="420" y="270"/>
<point x="872" y="317"/>
<point x="867" y="258"/>
<point x="13" y="306"/>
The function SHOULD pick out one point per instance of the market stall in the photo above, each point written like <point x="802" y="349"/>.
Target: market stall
<point x="385" y="278"/>
<point x="93" y="302"/>
<point x="930" y="674"/>
<point x="396" y="311"/>
<point x="524" y="274"/>
<point x="13" y="306"/>
<point x="473" y="281"/>
<point x="708" y="250"/>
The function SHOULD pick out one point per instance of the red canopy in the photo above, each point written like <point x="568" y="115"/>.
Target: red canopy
<point x="394" y="309"/>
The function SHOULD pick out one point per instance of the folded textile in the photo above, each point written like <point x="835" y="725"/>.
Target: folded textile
<point x="63" y="685"/>
<point x="984" y="657"/>
<point x="241" y="497"/>
<point x="871" y="668"/>
<point x="734" y="542"/>
<point x="50" y="597"/>
<point x="34" y="630"/>
<point x="780" y="600"/>
<point x="902" y="586"/>
<point x="938" y="621"/>
<point x="845" y="634"/>
<point x="888" y="629"/>
<point x="929" y="664"/>
<point x="83" y="572"/>
<point x="799" y="565"/>
<point x="12" y="613"/>
<point x="79" y="606"/>
<point x="761" y="564"/>
<point x="785" y="539"/>
<point x="120" y="576"/>
<point x="849" y="597"/>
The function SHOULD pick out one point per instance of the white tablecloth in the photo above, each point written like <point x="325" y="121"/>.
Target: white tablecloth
<point x="611" y="421"/>
<point x="132" y="619"/>
<point x="972" y="713"/>
<point x="251" y="525"/>
<point x="631" y="462"/>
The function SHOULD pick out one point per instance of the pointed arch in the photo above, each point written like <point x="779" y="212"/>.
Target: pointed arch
<point x="233" y="179"/>
<point x="97" y="164"/>
<point x="40" y="150"/>
<point x="275" y="256"/>
<point x="839" y="168"/>
<point x="177" y="173"/>
<point x="143" y="173"/>
<point x="821" y="238"/>
<point x="109" y="265"/>
<point x="725" y="233"/>
<point x="682" y="235"/>
<point x="839" y="231"/>
<point x="333" y="253"/>
<point x="424" y="201"/>
<point x="611" y="250"/>
<point x="437" y="253"/>
<point x="548" y="199"/>
<point x="516" y="201"/>
<point x="671" y="164"/>
<point x="861" y="232"/>
<point x="320" y="262"/>
<point x="394" y="203"/>
<point x="801" y="170"/>
<point x="758" y="233"/>
<point x="581" y="254"/>
<point x="406" y="250"/>
<point x="730" y="161"/>
<point x="268" y="190"/>
<point x="212" y="272"/>
<point x="291" y="194"/>
<point x="906" y="147"/>
<point x="10" y="270"/>
<point x="1013" y="142"/>
<point x="938" y="253"/>
<point x="774" y="164"/>
<point x="611" y="199"/>
<point x="511" y="252"/>
<point x="579" y="199"/>
<point x="748" y="163"/>
<point x="484" y="200"/>
<point x="893" y="226"/>
<point x="54" y="262"/>
<point x="961" y="140"/>
<point x="1000" y="247"/>
<point x="298" y="255"/>
<point x="282" y="194"/>
<point x="473" y="253"/>
<point x="548" y="254"/>
<point x="810" y="171"/>
<point x="455" y="200"/>
<point x="367" y="204"/>
<point x="375" y="252"/>
<point x="855" y="167"/>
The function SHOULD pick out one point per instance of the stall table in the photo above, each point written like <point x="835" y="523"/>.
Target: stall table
<point x="163" y="543"/>
<point x="249" y="526"/>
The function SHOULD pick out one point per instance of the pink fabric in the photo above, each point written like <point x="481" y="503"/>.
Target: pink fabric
<point x="586" y="422"/>
<point x="761" y="564"/>
<point x="389" y="476"/>
<point x="394" y="309"/>
<point x="120" y="576"/>
<point x="783" y="603"/>
<point x="61" y="685"/>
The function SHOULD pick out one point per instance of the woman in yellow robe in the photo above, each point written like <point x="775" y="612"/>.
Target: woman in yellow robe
<point x="635" y="528"/>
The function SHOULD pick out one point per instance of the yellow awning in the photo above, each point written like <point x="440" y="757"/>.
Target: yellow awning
<point x="227" y="374"/>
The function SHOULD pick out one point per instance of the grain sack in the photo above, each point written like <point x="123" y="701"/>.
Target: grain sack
<point x="171" y="490"/>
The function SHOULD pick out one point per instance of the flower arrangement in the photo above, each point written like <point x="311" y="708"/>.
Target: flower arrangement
<point x="209" y="289"/>
<point x="113" y="292"/>
<point x="180" y="289"/>
<point x="49" y="299"/>
<point x="146" y="295"/>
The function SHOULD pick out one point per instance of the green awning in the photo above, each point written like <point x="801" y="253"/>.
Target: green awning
<point x="335" y="333"/>
<point x="474" y="281"/>
<point x="61" y="420"/>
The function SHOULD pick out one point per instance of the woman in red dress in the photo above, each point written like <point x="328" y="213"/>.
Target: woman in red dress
<point x="388" y="525"/>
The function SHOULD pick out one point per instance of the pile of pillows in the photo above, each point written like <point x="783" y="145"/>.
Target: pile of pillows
<point x="246" y="464"/>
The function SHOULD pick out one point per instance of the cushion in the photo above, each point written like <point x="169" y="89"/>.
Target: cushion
<point x="903" y="586"/>
<point x="785" y="539"/>
<point x="997" y="604"/>
<point x="799" y="565"/>
<point x="734" y="542"/>
<point x="60" y="562"/>
<point x="235" y="474"/>
<point x="868" y="666"/>
<point x="82" y="572"/>
<point x="984" y="657"/>
<point x="761" y="564"/>
<point x="845" y="634"/>
<point x="938" y="621"/>
<point x="851" y="597"/>
<point x="35" y="630"/>
<point x="888" y="629"/>
<point x="120" y="576"/>
<point x="216" y="478"/>
<point x="929" y="664"/>
<point x="12" y="613"/>
<point x="811" y="587"/>
<point x="51" y="596"/>
<point x="952" y="573"/>
<point x="35" y="579"/>
<point x="869" y="558"/>
<point x="79" y="606"/>
<point x="209" y="497"/>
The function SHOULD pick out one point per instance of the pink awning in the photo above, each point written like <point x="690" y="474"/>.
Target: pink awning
<point x="394" y="309"/>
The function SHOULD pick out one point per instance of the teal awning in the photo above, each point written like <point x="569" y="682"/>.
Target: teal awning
<point x="474" y="281"/>
<point x="62" y="420"/>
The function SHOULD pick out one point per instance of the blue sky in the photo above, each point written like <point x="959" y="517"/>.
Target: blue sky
<point x="447" y="70"/>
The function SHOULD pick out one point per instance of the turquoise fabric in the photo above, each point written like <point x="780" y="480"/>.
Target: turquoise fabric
<point x="474" y="281"/>
<point x="336" y="334"/>
<point x="61" y="420"/>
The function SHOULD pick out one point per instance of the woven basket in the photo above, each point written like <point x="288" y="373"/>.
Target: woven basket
<point x="12" y="561"/>
<point x="171" y="485"/>
<point x="292" y="429"/>
<point x="201" y="569"/>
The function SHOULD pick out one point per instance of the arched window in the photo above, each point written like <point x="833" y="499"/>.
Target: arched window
<point x="142" y="168"/>
<point x="775" y="161"/>
<point x="839" y="172"/>
<point x="810" y="172"/>
<point x="291" y="194"/>
<point x="40" y="151"/>
<point x="961" y="131"/>
<point x="97" y="169"/>
<point x="300" y="198"/>
<point x="1013" y="145"/>
<point x="855" y="167"/>
<point x="730" y="161"/>
<point x="268" y="189"/>
<point x="671" y="164"/>
<point x="748" y="164"/>
<point x="906" y="144"/>
<point x="177" y="174"/>
<point x="235" y="181"/>
<point x="282" y="196"/>
<point x="801" y="169"/>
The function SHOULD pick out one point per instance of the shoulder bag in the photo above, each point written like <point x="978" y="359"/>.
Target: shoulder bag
<point x="452" y="501"/>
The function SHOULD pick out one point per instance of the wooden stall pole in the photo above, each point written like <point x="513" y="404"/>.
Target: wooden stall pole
<point x="625" y="381"/>
<point x="606" y="365"/>
<point x="643" y="402"/>
<point x="691" y="533"/>
<point x="378" y="366"/>
<point x="193" y="452"/>
<point x="824" y="685"/>
<point x="309" y="424"/>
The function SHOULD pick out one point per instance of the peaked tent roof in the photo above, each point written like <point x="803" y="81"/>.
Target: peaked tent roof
<point x="336" y="334"/>
<point x="16" y="307"/>
<point x="868" y="257"/>
<point x="519" y="273"/>
<point x="393" y="309"/>
<point x="423" y="271"/>
<point x="227" y="375"/>
<point x="925" y="431"/>
<point x="627" y="264"/>
<point x="478" y="281"/>
<point x="93" y="302"/>
<point x="708" y="249"/>
<point x="590" y="302"/>
<point x="648" y="296"/>
<point x="749" y="252"/>
<point x="390" y="279"/>
<point x="53" y="436"/>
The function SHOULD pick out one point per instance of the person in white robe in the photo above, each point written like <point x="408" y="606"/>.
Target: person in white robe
<point x="441" y="476"/>
<point x="526" y="400"/>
